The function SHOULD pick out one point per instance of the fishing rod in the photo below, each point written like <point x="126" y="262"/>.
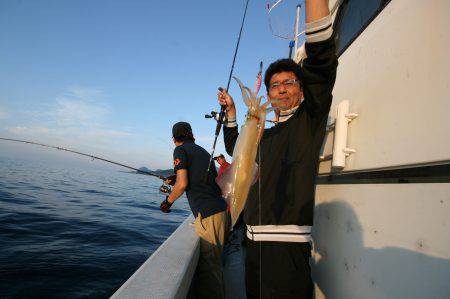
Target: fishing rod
<point x="222" y="108"/>
<point x="164" y="188"/>
<point x="258" y="82"/>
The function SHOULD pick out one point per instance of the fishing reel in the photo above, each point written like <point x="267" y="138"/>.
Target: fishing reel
<point x="168" y="181"/>
<point x="213" y="114"/>
<point x="164" y="189"/>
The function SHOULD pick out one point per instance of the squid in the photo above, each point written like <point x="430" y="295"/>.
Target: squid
<point x="236" y="180"/>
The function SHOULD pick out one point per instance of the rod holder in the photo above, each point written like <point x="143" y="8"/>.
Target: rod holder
<point x="340" y="149"/>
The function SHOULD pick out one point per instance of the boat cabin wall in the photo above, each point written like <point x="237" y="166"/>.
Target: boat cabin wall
<point x="395" y="76"/>
<point x="385" y="239"/>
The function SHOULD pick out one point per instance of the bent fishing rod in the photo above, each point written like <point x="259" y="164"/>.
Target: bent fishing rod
<point x="86" y="155"/>
<point x="222" y="108"/>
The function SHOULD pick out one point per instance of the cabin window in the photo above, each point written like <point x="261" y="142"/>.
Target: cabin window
<point x="352" y="18"/>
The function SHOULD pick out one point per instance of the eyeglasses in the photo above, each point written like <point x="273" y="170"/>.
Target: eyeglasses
<point x="285" y="83"/>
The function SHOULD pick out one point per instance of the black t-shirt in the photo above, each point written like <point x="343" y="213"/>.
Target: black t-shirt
<point x="203" y="197"/>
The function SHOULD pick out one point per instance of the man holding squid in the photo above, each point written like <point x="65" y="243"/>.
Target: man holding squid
<point x="279" y="209"/>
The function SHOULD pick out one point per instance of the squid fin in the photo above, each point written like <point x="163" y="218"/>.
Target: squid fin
<point x="224" y="181"/>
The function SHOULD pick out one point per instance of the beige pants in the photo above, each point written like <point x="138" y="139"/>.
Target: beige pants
<point x="212" y="231"/>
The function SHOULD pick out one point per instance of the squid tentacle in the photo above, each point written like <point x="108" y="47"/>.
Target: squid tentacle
<point x="270" y="109"/>
<point x="252" y="96"/>
<point x="245" y="96"/>
<point x="264" y="106"/>
<point x="258" y="102"/>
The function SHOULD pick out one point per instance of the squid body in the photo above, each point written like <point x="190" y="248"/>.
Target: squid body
<point x="236" y="180"/>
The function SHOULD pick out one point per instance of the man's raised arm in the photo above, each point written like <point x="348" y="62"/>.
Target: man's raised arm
<point x="319" y="66"/>
<point x="316" y="10"/>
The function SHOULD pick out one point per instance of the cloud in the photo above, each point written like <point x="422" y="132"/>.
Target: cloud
<point x="27" y="131"/>
<point x="82" y="120"/>
<point x="84" y="93"/>
<point x="3" y="114"/>
<point x="70" y="112"/>
<point x="78" y="115"/>
<point x="80" y="106"/>
<point x="68" y="133"/>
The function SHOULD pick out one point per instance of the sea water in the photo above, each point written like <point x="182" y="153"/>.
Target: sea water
<point x="76" y="232"/>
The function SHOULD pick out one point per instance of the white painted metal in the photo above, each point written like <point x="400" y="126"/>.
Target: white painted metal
<point x="273" y="6"/>
<point x="169" y="270"/>
<point x="340" y="149"/>
<point x="390" y="240"/>
<point x="382" y="241"/>
<point x="297" y="22"/>
<point x="395" y="75"/>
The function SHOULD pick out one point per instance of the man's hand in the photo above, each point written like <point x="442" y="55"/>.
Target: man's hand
<point x="226" y="100"/>
<point x="177" y="190"/>
<point x="165" y="205"/>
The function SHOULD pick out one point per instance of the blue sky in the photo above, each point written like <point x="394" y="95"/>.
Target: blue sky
<point x="111" y="77"/>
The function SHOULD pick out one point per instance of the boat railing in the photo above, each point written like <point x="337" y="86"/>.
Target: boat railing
<point x="169" y="270"/>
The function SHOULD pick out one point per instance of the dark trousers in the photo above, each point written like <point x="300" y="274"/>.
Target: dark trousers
<point x="284" y="267"/>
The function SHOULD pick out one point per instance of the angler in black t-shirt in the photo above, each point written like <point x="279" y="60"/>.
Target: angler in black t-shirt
<point x="207" y="205"/>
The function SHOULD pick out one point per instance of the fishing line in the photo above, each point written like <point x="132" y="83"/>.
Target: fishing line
<point x="259" y="210"/>
<point x="222" y="108"/>
<point x="86" y="155"/>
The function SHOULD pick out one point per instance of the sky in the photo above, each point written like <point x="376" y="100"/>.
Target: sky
<point x="110" y="77"/>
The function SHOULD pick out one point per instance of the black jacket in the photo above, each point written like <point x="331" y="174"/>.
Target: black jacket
<point x="290" y="150"/>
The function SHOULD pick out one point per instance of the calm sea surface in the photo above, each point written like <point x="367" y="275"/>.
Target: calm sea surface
<point x="76" y="233"/>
